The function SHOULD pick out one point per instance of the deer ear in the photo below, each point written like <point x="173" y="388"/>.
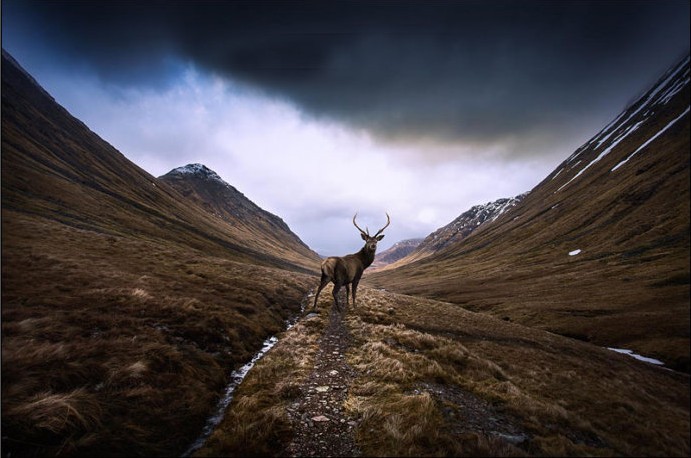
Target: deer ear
<point x="364" y="237"/>
<point x="380" y="237"/>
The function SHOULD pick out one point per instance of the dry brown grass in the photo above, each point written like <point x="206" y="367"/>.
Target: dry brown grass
<point x="568" y="397"/>
<point x="110" y="343"/>
<point x="256" y="422"/>
<point x="436" y="380"/>
<point x="144" y="345"/>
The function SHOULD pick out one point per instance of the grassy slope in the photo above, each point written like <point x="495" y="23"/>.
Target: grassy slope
<point x="114" y="347"/>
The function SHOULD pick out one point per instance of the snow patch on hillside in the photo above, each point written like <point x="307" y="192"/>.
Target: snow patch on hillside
<point x="651" y="139"/>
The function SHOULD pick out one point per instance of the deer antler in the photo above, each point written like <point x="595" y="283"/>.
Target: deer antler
<point x="388" y="221"/>
<point x="361" y="231"/>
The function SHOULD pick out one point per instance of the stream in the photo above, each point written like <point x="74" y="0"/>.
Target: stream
<point x="236" y="378"/>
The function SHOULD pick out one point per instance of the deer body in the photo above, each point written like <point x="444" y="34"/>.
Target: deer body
<point x="347" y="270"/>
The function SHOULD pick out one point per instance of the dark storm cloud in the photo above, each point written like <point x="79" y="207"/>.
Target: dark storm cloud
<point x="444" y="71"/>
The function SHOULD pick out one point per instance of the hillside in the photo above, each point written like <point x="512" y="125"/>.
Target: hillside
<point x="599" y="250"/>
<point x="124" y="304"/>
<point x="405" y="376"/>
<point x="250" y="222"/>
<point x="55" y="167"/>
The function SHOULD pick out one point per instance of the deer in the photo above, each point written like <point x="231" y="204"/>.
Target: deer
<point x="347" y="270"/>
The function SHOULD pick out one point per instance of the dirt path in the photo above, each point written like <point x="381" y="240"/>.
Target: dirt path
<point x="320" y="424"/>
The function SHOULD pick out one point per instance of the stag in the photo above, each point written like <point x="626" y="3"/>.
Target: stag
<point x="347" y="270"/>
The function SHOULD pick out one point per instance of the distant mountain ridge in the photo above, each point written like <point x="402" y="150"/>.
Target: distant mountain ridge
<point x="456" y="231"/>
<point x="397" y="251"/>
<point x="470" y="220"/>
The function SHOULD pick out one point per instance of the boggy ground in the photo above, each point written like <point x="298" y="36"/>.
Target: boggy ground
<point x="415" y="377"/>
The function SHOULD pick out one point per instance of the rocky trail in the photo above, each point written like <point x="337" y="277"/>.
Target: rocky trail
<point x="320" y="424"/>
<point x="321" y="427"/>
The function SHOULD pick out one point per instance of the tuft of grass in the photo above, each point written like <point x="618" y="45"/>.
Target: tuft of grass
<point x="393" y="423"/>
<point x="53" y="414"/>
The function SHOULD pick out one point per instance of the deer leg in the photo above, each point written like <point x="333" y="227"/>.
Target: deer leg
<point x="355" y="283"/>
<point x="324" y="281"/>
<point x="337" y="288"/>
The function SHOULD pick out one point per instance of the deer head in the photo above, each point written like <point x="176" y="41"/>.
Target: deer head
<point x="371" y="240"/>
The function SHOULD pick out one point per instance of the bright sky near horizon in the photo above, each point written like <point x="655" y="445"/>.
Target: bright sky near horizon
<point x="316" y="110"/>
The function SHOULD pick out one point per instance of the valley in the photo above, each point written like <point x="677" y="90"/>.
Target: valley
<point x="128" y="301"/>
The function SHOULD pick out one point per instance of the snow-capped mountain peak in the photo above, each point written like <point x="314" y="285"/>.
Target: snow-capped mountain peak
<point x="468" y="222"/>
<point x="197" y="169"/>
<point x="202" y="185"/>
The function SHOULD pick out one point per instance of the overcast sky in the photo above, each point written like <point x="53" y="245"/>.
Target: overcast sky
<point x="316" y="110"/>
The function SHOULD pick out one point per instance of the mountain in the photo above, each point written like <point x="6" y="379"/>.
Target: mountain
<point x="124" y="303"/>
<point x="398" y="250"/>
<point x="208" y="190"/>
<point x="464" y="225"/>
<point x="599" y="250"/>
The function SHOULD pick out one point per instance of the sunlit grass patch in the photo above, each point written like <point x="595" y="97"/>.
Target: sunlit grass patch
<point x="396" y="416"/>
<point x="398" y="424"/>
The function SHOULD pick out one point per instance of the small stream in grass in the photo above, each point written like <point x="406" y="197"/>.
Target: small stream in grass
<point x="236" y="378"/>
